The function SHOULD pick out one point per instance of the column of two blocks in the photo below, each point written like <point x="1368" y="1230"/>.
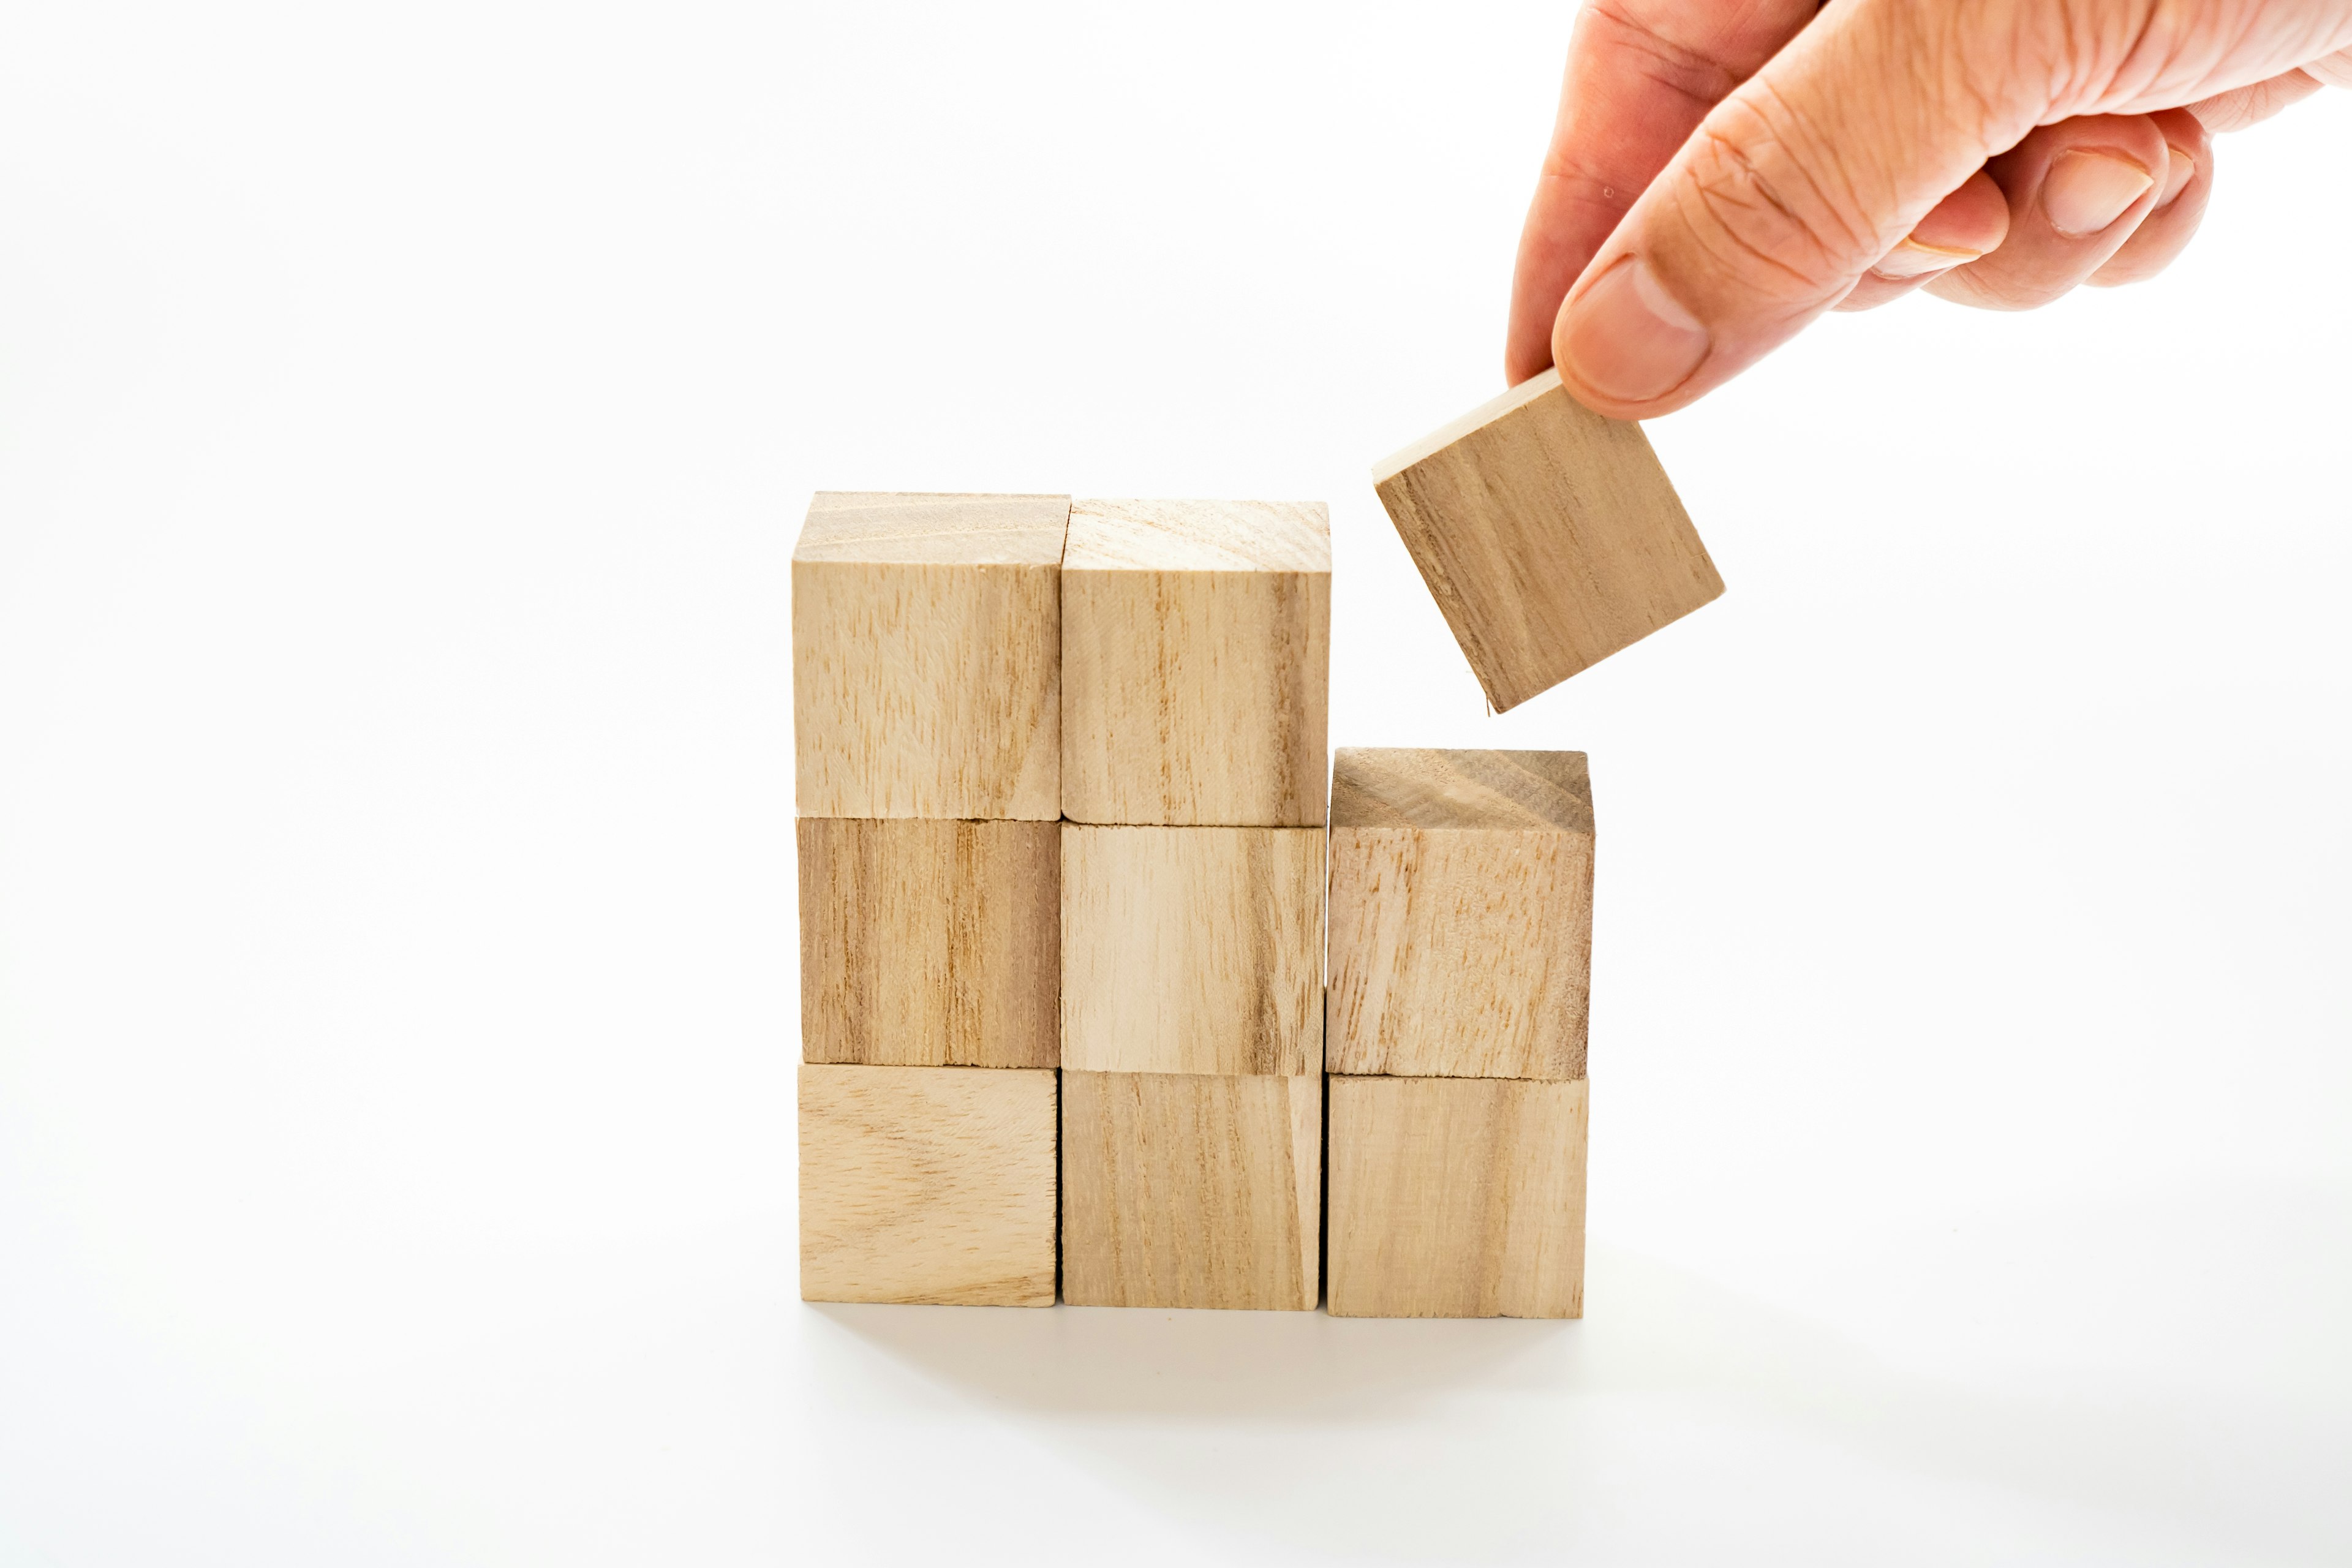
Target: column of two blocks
<point x="1460" y="956"/>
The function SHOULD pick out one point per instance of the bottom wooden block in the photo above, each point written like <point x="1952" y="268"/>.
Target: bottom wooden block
<point x="1188" y="1190"/>
<point x="928" y="1184"/>
<point x="1456" y="1197"/>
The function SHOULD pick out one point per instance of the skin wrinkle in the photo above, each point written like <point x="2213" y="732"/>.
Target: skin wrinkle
<point x="1990" y="126"/>
<point x="1802" y="137"/>
<point x="1694" y="60"/>
<point x="2229" y="62"/>
<point x="1722" y="195"/>
<point x="2245" y="105"/>
<point x="2155" y="43"/>
<point x="1688" y="73"/>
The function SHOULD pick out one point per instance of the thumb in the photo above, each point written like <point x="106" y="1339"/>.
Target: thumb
<point x="1787" y="194"/>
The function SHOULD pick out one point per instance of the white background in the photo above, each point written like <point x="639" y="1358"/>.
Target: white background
<point x="405" y="413"/>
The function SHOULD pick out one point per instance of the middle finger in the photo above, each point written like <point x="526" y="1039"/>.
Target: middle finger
<point x="2076" y="191"/>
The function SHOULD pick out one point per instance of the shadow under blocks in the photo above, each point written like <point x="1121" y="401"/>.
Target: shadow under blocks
<point x="1065" y="840"/>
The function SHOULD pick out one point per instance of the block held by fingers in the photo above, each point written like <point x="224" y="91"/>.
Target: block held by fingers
<point x="1548" y="535"/>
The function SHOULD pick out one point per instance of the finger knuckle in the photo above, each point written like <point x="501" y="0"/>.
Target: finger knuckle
<point x="1769" y="197"/>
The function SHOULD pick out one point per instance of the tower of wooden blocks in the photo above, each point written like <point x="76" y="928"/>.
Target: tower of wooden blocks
<point x="927" y="674"/>
<point x="1461" y="944"/>
<point x="1195" y="673"/>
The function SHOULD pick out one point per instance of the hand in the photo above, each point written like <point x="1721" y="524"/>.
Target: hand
<point x="1723" y="171"/>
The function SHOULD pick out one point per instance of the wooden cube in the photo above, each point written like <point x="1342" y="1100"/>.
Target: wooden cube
<point x="1548" y="535"/>
<point x="1180" y="1190"/>
<point x="928" y="1184"/>
<point x="931" y="943"/>
<point x="1194" y="950"/>
<point x="1196" y="662"/>
<point x="926" y="655"/>
<point x="1456" y="1197"/>
<point x="1461" y="913"/>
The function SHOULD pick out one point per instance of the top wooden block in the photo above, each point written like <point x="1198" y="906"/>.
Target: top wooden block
<point x="1461" y="914"/>
<point x="1541" y="792"/>
<point x="1548" y="535"/>
<point x="1196" y="663"/>
<point x="926" y="655"/>
<point x="1199" y="536"/>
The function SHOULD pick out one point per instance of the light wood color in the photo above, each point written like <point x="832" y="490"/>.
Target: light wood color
<point x="1456" y="1197"/>
<point x="1180" y="1190"/>
<point x="1461" y="913"/>
<point x="926" y="655"/>
<point x="1192" y="950"/>
<point x="1196" y="662"/>
<point x="928" y="1184"/>
<point x="1549" y="535"/>
<point x="931" y="943"/>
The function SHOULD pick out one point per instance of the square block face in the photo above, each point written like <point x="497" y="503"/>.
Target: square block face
<point x="926" y="655"/>
<point x="928" y="1184"/>
<point x="1548" y="535"/>
<point x="1196" y="662"/>
<point x="1192" y="950"/>
<point x="1185" y="1190"/>
<point x="931" y="943"/>
<point x="1461" y="913"/>
<point x="1456" y="1197"/>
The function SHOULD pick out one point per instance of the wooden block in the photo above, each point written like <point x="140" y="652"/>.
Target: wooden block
<point x="931" y="943"/>
<point x="926" y="655"/>
<point x="1548" y="535"/>
<point x="1180" y="1190"/>
<point x="1193" y="949"/>
<point x="928" y="1184"/>
<point x="1196" y="662"/>
<point x="1456" y="1197"/>
<point x="1461" y="913"/>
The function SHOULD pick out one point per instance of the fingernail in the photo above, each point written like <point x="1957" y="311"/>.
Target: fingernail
<point x="1628" y="338"/>
<point x="1912" y="259"/>
<point x="2085" y="191"/>
<point x="2180" y="168"/>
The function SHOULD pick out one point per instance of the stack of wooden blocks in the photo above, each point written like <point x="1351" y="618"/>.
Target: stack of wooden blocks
<point x="927" y="702"/>
<point x="968" y="670"/>
<point x="1461" y="956"/>
<point x="1196" y="668"/>
<point x="1063" y="840"/>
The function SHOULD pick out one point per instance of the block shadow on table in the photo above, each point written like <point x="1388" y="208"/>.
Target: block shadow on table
<point x="1544" y="1419"/>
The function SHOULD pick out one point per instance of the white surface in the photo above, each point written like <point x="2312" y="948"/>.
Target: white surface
<point x="404" y="416"/>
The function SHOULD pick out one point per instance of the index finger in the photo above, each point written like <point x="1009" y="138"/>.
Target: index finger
<point x="1640" y="74"/>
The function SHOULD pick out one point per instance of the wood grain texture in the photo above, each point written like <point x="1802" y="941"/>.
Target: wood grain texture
<point x="1193" y="949"/>
<point x="928" y="1184"/>
<point x="1461" y="913"/>
<point x="1196" y="662"/>
<point x="1548" y="535"/>
<point x="926" y="655"/>
<point x="931" y="943"/>
<point x="1180" y="1190"/>
<point x="1456" y="1197"/>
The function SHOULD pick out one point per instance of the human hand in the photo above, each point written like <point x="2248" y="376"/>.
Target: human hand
<point x="1723" y="171"/>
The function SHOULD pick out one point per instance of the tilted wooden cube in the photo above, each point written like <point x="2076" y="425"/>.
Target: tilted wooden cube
<point x="1187" y="1190"/>
<point x="1461" y="913"/>
<point x="928" y="1184"/>
<point x="1548" y="535"/>
<point x="1195" y="662"/>
<point x="926" y="655"/>
<point x="931" y="943"/>
<point x="1456" y="1197"/>
<point x="1192" y="950"/>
